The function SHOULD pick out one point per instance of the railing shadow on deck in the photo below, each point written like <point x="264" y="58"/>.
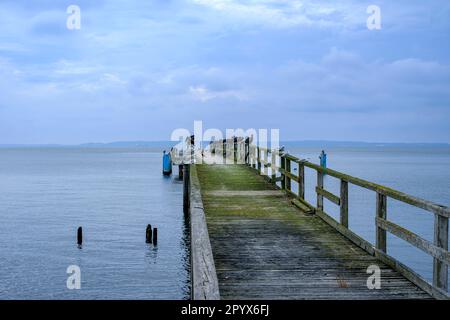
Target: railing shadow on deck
<point x="240" y="150"/>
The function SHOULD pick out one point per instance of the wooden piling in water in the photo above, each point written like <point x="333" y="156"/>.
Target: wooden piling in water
<point x="180" y="171"/>
<point x="80" y="236"/>
<point x="155" y="236"/>
<point x="148" y="234"/>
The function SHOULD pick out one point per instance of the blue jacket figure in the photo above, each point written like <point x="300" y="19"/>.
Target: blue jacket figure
<point x="167" y="164"/>
<point x="323" y="159"/>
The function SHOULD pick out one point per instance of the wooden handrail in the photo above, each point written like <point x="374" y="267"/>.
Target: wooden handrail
<point x="257" y="158"/>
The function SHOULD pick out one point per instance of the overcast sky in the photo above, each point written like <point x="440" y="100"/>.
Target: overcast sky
<point x="137" y="70"/>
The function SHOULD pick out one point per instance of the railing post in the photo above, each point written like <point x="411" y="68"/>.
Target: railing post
<point x="283" y="176"/>
<point x="344" y="203"/>
<point x="247" y="151"/>
<point x="224" y="151"/>
<point x="235" y="153"/>
<point x="192" y="149"/>
<point x="288" y="169"/>
<point x="382" y="214"/>
<point x="301" y="183"/>
<point x="258" y="159"/>
<point x="440" y="269"/>
<point x="253" y="149"/>
<point x="266" y="160"/>
<point x="273" y="155"/>
<point x="319" y="185"/>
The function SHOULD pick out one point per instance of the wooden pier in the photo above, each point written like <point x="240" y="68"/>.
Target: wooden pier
<point x="253" y="238"/>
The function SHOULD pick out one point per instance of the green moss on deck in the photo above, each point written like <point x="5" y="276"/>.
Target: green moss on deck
<point x="262" y="245"/>
<point x="230" y="177"/>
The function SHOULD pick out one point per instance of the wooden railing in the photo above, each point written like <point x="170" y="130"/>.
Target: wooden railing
<point x="240" y="150"/>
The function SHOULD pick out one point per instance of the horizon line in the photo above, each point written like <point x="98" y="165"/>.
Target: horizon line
<point x="86" y="144"/>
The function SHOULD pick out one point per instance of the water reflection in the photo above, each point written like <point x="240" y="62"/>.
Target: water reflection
<point x="151" y="254"/>
<point x="186" y="260"/>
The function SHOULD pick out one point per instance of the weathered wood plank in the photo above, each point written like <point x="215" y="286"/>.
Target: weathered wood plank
<point x="397" y="195"/>
<point x="424" y="245"/>
<point x="381" y="208"/>
<point x="205" y="285"/>
<point x="288" y="174"/>
<point x="265" y="248"/>
<point x="440" y="268"/>
<point x="302" y="206"/>
<point x="319" y="186"/>
<point x="282" y="170"/>
<point x="328" y="195"/>
<point x="301" y="181"/>
<point x="247" y="193"/>
<point x="344" y="203"/>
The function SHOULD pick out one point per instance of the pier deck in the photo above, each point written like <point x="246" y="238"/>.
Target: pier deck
<point x="266" y="248"/>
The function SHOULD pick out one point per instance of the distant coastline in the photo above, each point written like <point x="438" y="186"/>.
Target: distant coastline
<point x="291" y="143"/>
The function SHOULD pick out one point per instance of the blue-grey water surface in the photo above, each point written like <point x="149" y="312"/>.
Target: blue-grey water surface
<point x="46" y="193"/>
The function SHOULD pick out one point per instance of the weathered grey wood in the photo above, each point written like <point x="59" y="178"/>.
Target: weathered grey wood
<point x="204" y="285"/>
<point x="411" y="275"/>
<point x="381" y="208"/>
<point x="353" y="237"/>
<point x="291" y="157"/>
<point x="247" y="151"/>
<point x="344" y="203"/>
<point x="180" y="171"/>
<point x="420" y="203"/>
<point x="437" y="252"/>
<point x="302" y="206"/>
<point x="440" y="268"/>
<point x="254" y="158"/>
<point x="258" y="159"/>
<point x="244" y="193"/>
<point x="382" y="256"/>
<point x="235" y="152"/>
<point x="305" y="203"/>
<point x="224" y="150"/>
<point x="266" y="163"/>
<point x="192" y="148"/>
<point x="319" y="186"/>
<point x="186" y="186"/>
<point x="288" y="170"/>
<point x="148" y="234"/>
<point x="289" y="175"/>
<point x="80" y="236"/>
<point x="328" y="195"/>
<point x="265" y="248"/>
<point x="273" y="166"/>
<point x="155" y="236"/>
<point x="440" y="254"/>
<point x="282" y="171"/>
<point x="301" y="181"/>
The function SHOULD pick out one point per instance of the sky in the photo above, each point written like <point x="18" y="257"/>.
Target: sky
<point x="138" y="70"/>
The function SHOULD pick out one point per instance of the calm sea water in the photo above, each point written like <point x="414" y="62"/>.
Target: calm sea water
<point x="45" y="194"/>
